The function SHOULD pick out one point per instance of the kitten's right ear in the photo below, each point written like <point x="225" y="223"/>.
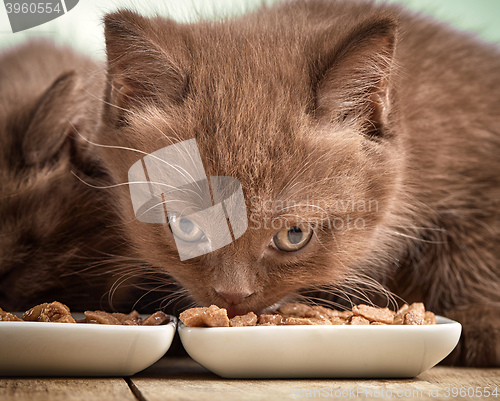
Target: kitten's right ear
<point x="145" y="61"/>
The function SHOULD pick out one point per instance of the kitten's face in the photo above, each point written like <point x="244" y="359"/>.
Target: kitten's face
<point x="316" y="177"/>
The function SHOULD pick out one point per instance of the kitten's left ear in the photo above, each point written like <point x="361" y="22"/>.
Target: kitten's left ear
<point x="353" y="81"/>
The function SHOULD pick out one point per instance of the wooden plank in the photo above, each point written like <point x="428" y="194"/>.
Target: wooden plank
<point x="64" y="389"/>
<point x="462" y="383"/>
<point x="183" y="379"/>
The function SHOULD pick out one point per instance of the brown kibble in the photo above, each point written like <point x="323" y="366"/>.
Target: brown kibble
<point x="213" y="316"/>
<point x="193" y="317"/>
<point x="132" y="319"/>
<point x="413" y="317"/>
<point x="373" y="314"/>
<point x="298" y="321"/>
<point x="156" y="319"/>
<point x="399" y="317"/>
<point x="59" y="313"/>
<point x="415" y="314"/>
<point x="250" y="319"/>
<point x="299" y="314"/>
<point x="271" y="320"/>
<point x="347" y="314"/>
<point x="338" y="320"/>
<point x="320" y="312"/>
<point x="430" y="318"/>
<point x="359" y="320"/>
<point x="306" y="321"/>
<point x="294" y="309"/>
<point x="101" y="317"/>
<point x="49" y="312"/>
<point x="8" y="317"/>
<point x="216" y="317"/>
<point x="35" y="314"/>
<point x="65" y="319"/>
<point x="417" y="307"/>
<point x="321" y="321"/>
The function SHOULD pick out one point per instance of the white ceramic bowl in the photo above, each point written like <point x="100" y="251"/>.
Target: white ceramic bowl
<point x="77" y="349"/>
<point x="321" y="351"/>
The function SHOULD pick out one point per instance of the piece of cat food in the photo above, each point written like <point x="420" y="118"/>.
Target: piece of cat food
<point x="300" y="314"/>
<point x="399" y="317"/>
<point x="316" y="311"/>
<point x="346" y="314"/>
<point x="415" y="314"/>
<point x="306" y="321"/>
<point x="358" y="320"/>
<point x="156" y="319"/>
<point x="298" y="321"/>
<point x="130" y="319"/>
<point x="49" y="312"/>
<point x="374" y="314"/>
<point x="250" y="319"/>
<point x="294" y="309"/>
<point x="8" y="317"/>
<point x="430" y="318"/>
<point x="271" y="320"/>
<point x="320" y="312"/>
<point x="59" y="313"/>
<point x="213" y="316"/>
<point x="337" y="320"/>
<point x="100" y="317"/>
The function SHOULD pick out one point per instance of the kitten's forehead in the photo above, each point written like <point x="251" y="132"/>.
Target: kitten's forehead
<point x="234" y="64"/>
<point x="248" y="108"/>
<point x="246" y="105"/>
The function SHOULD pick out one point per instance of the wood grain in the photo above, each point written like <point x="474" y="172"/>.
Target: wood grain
<point x="183" y="379"/>
<point x="64" y="389"/>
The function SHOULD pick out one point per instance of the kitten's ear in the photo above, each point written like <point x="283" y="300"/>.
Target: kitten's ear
<point x="145" y="58"/>
<point x="56" y="118"/>
<point x="353" y="82"/>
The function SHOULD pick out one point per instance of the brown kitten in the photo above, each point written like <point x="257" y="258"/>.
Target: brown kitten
<point x="318" y="104"/>
<point x="59" y="238"/>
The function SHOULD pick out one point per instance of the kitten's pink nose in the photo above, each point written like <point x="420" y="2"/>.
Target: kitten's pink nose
<point x="234" y="298"/>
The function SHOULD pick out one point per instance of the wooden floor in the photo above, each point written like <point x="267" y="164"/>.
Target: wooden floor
<point x="180" y="378"/>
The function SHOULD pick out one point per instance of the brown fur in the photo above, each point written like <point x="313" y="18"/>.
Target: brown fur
<point x="58" y="236"/>
<point x="324" y="101"/>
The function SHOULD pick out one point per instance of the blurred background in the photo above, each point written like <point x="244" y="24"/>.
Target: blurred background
<point x="82" y="27"/>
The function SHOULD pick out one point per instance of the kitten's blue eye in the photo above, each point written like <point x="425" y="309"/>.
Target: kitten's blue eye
<point x="184" y="229"/>
<point x="292" y="239"/>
